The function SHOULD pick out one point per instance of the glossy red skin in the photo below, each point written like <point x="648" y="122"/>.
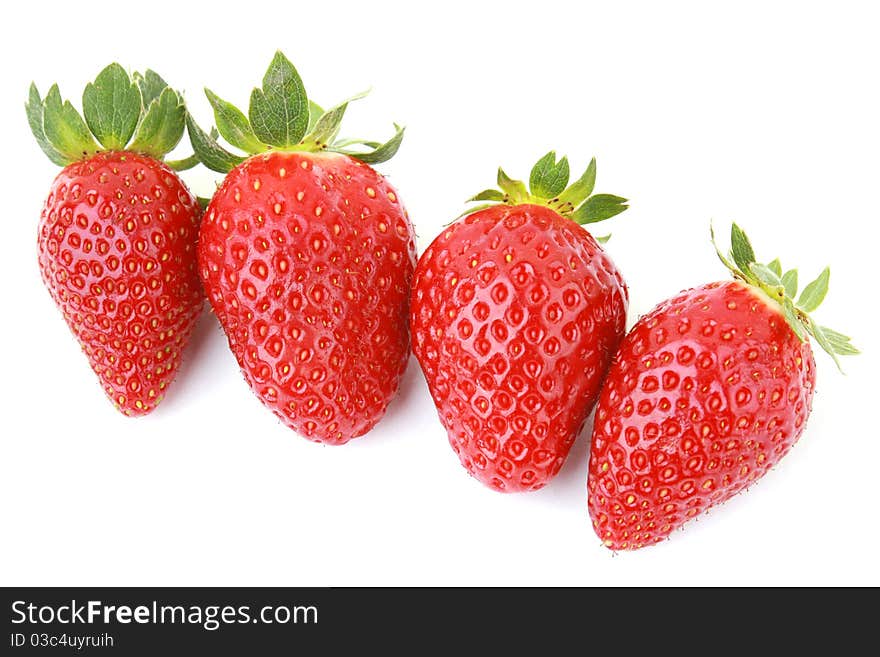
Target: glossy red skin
<point x="516" y="314"/>
<point x="706" y="394"/>
<point x="116" y="247"/>
<point x="307" y="261"/>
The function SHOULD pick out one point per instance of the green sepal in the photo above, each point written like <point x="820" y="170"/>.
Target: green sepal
<point x="841" y="343"/>
<point x="793" y="320"/>
<point x="548" y="177"/>
<point x="765" y="274"/>
<point x="34" y="109"/>
<point x="781" y="289"/>
<point x="65" y="128"/>
<point x="233" y="125"/>
<point x="380" y="153"/>
<point x="279" y="111"/>
<point x="326" y="128"/>
<point x="344" y="143"/>
<point x="598" y="208"/>
<point x="602" y="239"/>
<point x="193" y="160"/>
<point x="814" y="293"/>
<point x="790" y="282"/>
<point x="162" y="126"/>
<point x="112" y="107"/>
<point x="151" y="86"/>
<point x="138" y="113"/>
<point x="183" y="164"/>
<point x="834" y="343"/>
<point x="487" y="195"/>
<point x="580" y="189"/>
<point x="209" y="152"/>
<point x="514" y="190"/>
<point x="315" y="113"/>
<point x="547" y="187"/>
<point x="741" y="248"/>
<point x="470" y="211"/>
<point x="282" y="117"/>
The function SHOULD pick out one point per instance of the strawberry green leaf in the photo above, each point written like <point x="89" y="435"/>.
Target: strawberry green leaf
<point x="741" y="248"/>
<point x="475" y="209"/>
<point x="233" y="125"/>
<point x="487" y="195"/>
<point x="598" y="208"/>
<point x="549" y="177"/>
<point x="34" y="109"/>
<point x="210" y="153"/>
<point x="65" y="128"/>
<point x="790" y="282"/>
<point x="791" y="317"/>
<point x="814" y="293"/>
<point x="727" y="263"/>
<point x="822" y="339"/>
<point x="326" y="128"/>
<point x="279" y="111"/>
<point x="112" y="106"/>
<point x="580" y="189"/>
<point x="764" y="274"/>
<point x="151" y="85"/>
<point x="775" y="266"/>
<point x="184" y="163"/>
<point x="162" y="126"/>
<point x="315" y="112"/>
<point x="602" y="239"/>
<point x="514" y="189"/>
<point x="840" y="343"/>
<point x="192" y="160"/>
<point x="380" y="153"/>
<point x="343" y="143"/>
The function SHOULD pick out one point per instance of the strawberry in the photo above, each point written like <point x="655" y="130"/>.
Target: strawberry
<point x="306" y="255"/>
<point x="706" y="394"/>
<point x="118" y="230"/>
<point x="516" y="313"/>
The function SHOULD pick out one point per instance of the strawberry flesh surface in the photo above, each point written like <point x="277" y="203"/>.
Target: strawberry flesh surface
<point x="307" y="259"/>
<point x="116" y="246"/>
<point x="706" y="394"/>
<point x="516" y="314"/>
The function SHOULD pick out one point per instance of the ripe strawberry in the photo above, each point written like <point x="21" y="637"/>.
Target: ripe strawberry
<point x="516" y="312"/>
<point x="118" y="229"/>
<point x="306" y="254"/>
<point x="707" y="393"/>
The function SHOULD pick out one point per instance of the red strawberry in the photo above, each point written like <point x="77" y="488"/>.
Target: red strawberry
<point x="306" y="254"/>
<point x="706" y="394"/>
<point x="118" y="230"/>
<point x="516" y="313"/>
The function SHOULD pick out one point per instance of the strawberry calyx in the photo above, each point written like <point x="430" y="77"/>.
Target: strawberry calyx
<point x="548" y="186"/>
<point x="281" y="117"/>
<point x="782" y="287"/>
<point x="138" y="113"/>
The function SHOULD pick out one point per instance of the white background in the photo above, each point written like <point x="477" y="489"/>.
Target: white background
<point x="765" y="113"/>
